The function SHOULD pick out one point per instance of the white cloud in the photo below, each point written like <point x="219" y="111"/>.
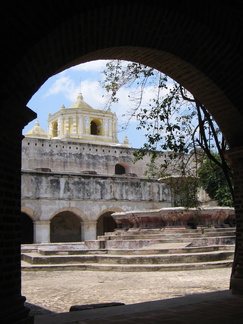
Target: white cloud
<point x="93" y="94"/>
<point x="64" y="84"/>
<point x="126" y="105"/>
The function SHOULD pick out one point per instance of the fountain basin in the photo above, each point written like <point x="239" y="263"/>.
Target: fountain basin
<point x="176" y="216"/>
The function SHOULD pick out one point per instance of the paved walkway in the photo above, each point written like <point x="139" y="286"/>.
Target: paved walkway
<point x="211" y="308"/>
<point x="199" y="296"/>
<point x="57" y="291"/>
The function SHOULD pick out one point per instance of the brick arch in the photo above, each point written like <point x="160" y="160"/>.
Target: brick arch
<point x="108" y="210"/>
<point x="122" y="168"/>
<point x="29" y="212"/>
<point x="105" y="223"/>
<point x="203" y="37"/>
<point x="176" y="40"/>
<point x="65" y="225"/>
<point x="80" y="214"/>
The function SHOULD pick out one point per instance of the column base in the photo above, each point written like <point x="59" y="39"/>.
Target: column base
<point x="236" y="285"/>
<point x="42" y="232"/>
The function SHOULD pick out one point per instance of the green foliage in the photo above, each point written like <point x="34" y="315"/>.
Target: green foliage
<point x="184" y="191"/>
<point x="212" y="179"/>
<point x="177" y="126"/>
<point x="120" y="74"/>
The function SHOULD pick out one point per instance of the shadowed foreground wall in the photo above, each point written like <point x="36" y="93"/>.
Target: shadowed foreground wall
<point x="198" y="43"/>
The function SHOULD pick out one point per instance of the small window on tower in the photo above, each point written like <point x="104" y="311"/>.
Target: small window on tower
<point x="93" y="128"/>
<point x="119" y="169"/>
<point x="54" y="129"/>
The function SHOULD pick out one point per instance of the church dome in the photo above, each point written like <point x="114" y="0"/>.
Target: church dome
<point x="36" y="132"/>
<point x="82" y="123"/>
<point x="80" y="103"/>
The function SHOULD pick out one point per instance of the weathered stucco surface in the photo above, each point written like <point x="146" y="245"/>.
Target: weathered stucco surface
<point x="78" y="178"/>
<point x="59" y="155"/>
<point x="47" y="194"/>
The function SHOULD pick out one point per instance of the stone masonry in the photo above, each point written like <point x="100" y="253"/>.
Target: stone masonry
<point x="198" y="43"/>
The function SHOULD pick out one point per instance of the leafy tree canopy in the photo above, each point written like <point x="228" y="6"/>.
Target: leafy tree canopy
<point x="175" y="122"/>
<point x="212" y="179"/>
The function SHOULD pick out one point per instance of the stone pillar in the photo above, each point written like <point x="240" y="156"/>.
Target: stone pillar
<point x="105" y="127"/>
<point x="74" y="125"/>
<point x="236" y="159"/>
<point x="67" y="125"/>
<point x="80" y="123"/>
<point x="12" y="119"/>
<point x="89" y="231"/>
<point x="60" y="126"/>
<point x="42" y="231"/>
<point x="50" y="129"/>
<point x="110" y="128"/>
<point x="87" y="125"/>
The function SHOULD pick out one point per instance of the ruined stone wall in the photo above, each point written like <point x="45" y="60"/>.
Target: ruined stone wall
<point x="77" y="157"/>
<point x="47" y="194"/>
<point x="71" y="186"/>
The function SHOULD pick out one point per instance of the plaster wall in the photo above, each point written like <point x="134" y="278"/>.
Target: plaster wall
<point x="47" y="193"/>
<point x="77" y="157"/>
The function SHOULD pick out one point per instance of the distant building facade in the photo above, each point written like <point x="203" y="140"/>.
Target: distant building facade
<point x="75" y="175"/>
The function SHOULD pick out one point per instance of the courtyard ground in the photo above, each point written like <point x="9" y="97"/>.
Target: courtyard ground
<point x="57" y="291"/>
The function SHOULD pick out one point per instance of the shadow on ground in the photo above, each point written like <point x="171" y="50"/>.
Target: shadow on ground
<point x="211" y="308"/>
<point x="38" y="310"/>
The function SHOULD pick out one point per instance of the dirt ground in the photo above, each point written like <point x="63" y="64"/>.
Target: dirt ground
<point x="57" y="291"/>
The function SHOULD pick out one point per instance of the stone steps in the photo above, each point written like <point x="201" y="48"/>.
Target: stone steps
<point x="143" y="251"/>
<point x="142" y="231"/>
<point x="128" y="268"/>
<point x="170" y="235"/>
<point x="170" y="230"/>
<point x="35" y="258"/>
<point x="140" y="243"/>
<point x="152" y="249"/>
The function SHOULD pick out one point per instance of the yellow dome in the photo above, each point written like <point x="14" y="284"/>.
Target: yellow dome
<point x="80" y="103"/>
<point x="36" y="131"/>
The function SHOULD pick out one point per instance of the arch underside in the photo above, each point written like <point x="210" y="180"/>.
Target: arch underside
<point x="176" y="40"/>
<point x="197" y="43"/>
<point x="65" y="227"/>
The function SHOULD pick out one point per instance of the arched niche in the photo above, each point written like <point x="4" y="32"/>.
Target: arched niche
<point x="65" y="227"/>
<point x="120" y="169"/>
<point x="105" y="223"/>
<point x="93" y="128"/>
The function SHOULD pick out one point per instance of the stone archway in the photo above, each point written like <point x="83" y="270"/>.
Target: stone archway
<point x="188" y="40"/>
<point x="65" y="227"/>
<point x="93" y="128"/>
<point x="191" y="55"/>
<point x="119" y="169"/>
<point x="105" y="223"/>
<point x="27" y="229"/>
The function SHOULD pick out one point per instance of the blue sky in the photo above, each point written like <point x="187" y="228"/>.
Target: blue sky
<point x="63" y="88"/>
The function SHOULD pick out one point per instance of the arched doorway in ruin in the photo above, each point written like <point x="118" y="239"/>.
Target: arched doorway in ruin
<point x="65" y="227"/>
<point x="119" y="169"/>
<point x="27" y="229"/>
<point x="105" y="223"/>
<point x="122" y="168"/>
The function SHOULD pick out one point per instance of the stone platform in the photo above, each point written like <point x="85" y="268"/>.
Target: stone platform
<point x="167" y="249"/>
